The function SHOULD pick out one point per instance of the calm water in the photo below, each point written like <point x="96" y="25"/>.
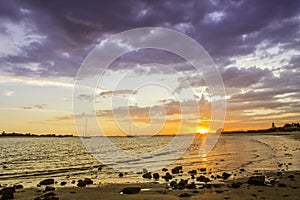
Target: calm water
<point x="28" y="160"/>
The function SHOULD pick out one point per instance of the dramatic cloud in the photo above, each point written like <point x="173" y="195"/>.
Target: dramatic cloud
<point x="255" y="45"/>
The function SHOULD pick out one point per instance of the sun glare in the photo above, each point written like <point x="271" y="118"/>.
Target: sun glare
<point x="202" y="131"/>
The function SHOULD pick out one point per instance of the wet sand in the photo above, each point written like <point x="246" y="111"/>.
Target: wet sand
<point x="286" y="185"/>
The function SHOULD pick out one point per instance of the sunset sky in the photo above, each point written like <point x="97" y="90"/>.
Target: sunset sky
<point x="254" y="44"/>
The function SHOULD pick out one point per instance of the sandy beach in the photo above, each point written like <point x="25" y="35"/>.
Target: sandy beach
<point x="276" y="185"/>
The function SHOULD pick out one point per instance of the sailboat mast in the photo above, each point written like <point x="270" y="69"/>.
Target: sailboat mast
<point x="85" y="128"/>
<point x="129" y="128"/>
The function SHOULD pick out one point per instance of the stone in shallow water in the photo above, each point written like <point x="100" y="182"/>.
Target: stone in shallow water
<point x="131" y="190"/>
<point x="147" y="175"/>
<point x="48" y="181"/>
<point x="156" y="176"/>
<point x="236" y="185"/>
<point x="257" y="180"/>
<point x="7" y="193"/>
<point x="226" y="175"/>
<point x="167" y="177"/>
<point x="81" y="183"/>
<point x="19" y="186"/>
<point x="164" y="169"/>
<point x="49" y="188"/>
<point x="63" y="183"/>
<point x="203" y="179"/>
<point x="88" y="181"/>
<point x="193" y="172"/>
<point x="177" y="170"/>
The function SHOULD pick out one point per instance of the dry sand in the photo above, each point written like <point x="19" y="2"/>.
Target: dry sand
<point x="285" y="187"/>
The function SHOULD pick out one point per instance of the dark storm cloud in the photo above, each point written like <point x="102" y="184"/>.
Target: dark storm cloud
<point x="74" y="27"/>
<point x="239" y="78"/>
<point x="9" y="11"/>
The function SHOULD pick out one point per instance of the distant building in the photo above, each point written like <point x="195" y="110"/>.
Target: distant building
<point x="273" y="125"/>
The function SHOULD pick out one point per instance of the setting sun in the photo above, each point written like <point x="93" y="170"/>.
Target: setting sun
<point x="203" y="131"/>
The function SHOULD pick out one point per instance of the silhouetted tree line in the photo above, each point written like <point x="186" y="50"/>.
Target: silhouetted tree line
<point x="288" y="127"/>
<point x="13" y="134"/>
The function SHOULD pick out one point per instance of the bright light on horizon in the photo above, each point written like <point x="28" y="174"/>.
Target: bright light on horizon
<point x="203" y="131"/>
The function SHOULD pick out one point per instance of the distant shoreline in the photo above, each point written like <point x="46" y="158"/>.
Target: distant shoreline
<point x="32" y="135"/>
<point x="293" y="127"/>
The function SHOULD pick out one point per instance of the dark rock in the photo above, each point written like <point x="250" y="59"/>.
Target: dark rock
<point x="48" y="181"/>
<point x="281" y="185"/>
<point x="192" y="176"/>
<point x="191" y="186"/>
<point x="257" y="180"/>
<point x="63" y="183"/>
<point x="48" y="194"/>
<point x="242" y="169"/>
<point x="173" y="183"/>
<point x="73" y="181"/>
<point x="203" y="179"/>
<point x="37" y="198"/>
<point x="164" y="169"/>
<point x="291" y="176"/>
<point x="156" y="176"/>
<point x="182" y="184"/>
<point x="7" y="190"/>
<point x="121" y="174"/>
<point x="236" y="185"/>
<point x="193" y="172"/>
<point x="202" y="169"/>
<point x="208" y="186"/>
<point x="131" y="190"/>
<point x="216" y="185"/>
<point x="195" y="191"/>
<point x="177" y="170"/>
<point x="147" y="175"/>
<point x="81" y="183"/>
<point x="7" y="193"/>
<point x="185" y="195"/>
<point x="99" y="168"/>
<point x="49" y="188"/>
<point x="272" y="182"/>
<point x="279" y="173"/>
<point x="19" y="186"/>
<point x="225" y="175"/>
<point x="88" y="181"/>
<point x="219" y="191"/>
<point x="167" y="177"/>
